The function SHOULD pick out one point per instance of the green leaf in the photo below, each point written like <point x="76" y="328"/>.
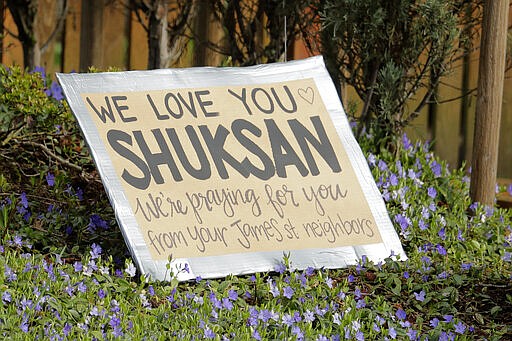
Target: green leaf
<point x="397" y="286"/>
<point x="495" y="310"/>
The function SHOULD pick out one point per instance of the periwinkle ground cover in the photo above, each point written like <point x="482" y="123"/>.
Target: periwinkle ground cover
<point x="63" y="274"/>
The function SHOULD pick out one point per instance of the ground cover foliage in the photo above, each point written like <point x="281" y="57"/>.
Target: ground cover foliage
<point x="65" y="273"/>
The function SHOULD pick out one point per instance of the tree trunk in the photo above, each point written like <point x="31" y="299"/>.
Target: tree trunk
<point x="2" y="29"/>
<point x="201" y="31"/>
<point x="24" y="14"/>
<point x="158" y="36"/>
<point x="91" y="37"/>
<point x="489" y="101"/>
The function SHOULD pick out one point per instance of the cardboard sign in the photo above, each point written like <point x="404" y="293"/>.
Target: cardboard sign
<point x="226" y="169"/>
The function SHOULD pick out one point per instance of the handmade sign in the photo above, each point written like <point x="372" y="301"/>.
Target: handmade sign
<point x="221" y="171"/>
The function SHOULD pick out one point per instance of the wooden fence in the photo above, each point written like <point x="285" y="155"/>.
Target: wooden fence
<point x="110" y="36"/>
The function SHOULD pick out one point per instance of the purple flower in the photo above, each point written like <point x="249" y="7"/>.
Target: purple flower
<point x="425" y="212"/>
<point x="406" y="142"/>
<point x="400" y="313"/>
<point x="403" y="221"/>
<point x="287" y="320"/>
<point x="274" y="290"/>
<point x="420" y="296"/>
<point x="301" y="278"/>
<point x="9" y="274"/>
<point x="95" y="221"/>
<point x="336" y="318"/>
<point x="393" y="179"/>
<point x="434" y="322"/>
<point x="443" y="275"/>
<point x="288" y="292"/>
<point x="6" y="297"/>
<point x="382" y="165"/>
<point x="24" y="200"/>
<point x="310" y="271"/>
<point x="412" y="334"/>
<point x="233" y="295"/>
<point x="81" y="287"/>
<point x="101" y="294"/>
<point x="357" y="293"/>
<point x="321" y="312"/>
<point x="170" y="298"/>
<point x="26" y="304"/>
<point x="67" y="329"/>
<point x="359" y="336"/>
<point x="24" y="326"/>
<point x="460" y="328"/>
<point x="78" y="266"/>
<point x="56" y="91"/>
<point x="114" y="322"/>
<point x="441" y="250"/>
<point x="117" y="331"/>
<point x="509" y="189"/>
<point x="448" y="318"/>
<point x="130" y="269"/>
<point x="442" y="233"/>
<point x="392" y="333"/>
<point x="280" y="267"/>
<point x="215" y="301"/>
<point x="41" y="70"/>
<point x="253" y="317"/>
<point x="50" y="179"/>
<point x="328" y="282"/>
<point x="309" y="316"/>
<point x="256" y="335"/>
<point x="507" y="257"/>
<point x="347" y="332"/>
<point x="466" y="266"/>
<point x="265" y="315"/>
<point x="69" y="290"/>
<point x="69" y="230"/>
<point x="422" y="225"/>
<point x="227" y="304"/>
<point x="436" y="168"/>
<point x="431" y="191"/>
<point x="460" y="237"/>
<point x="371" y="160"/>
<point x="208" y="333"/>
<point x="17" y="240"/>
<point x="297" y="332"/>
<point x="361" y="303"/>
<point x="95" y="251"/>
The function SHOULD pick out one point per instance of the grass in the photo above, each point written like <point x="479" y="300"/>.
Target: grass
<point x="65" y="276"/>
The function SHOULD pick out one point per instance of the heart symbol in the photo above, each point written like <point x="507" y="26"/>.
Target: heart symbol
<point x="307" y="94"/>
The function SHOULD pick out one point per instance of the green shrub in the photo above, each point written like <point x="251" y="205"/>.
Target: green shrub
<point x="50" y="190"/>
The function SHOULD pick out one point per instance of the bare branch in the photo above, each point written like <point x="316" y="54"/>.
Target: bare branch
<point x="58" y="27"/>
<point x="51" y="154"/>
